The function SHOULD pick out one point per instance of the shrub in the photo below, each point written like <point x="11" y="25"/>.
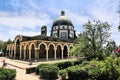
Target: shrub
<point x="103" y="70"/>
<point x="39" y="67"/>
<point x="63" y="65"/>
<point x="30" y="70"/>
<point x="49" y="72"/>
<point x="7" y="74"/>
<point x="77" y="73"/>
<point x="77" y="62"/>
<point x="63" y="73"/>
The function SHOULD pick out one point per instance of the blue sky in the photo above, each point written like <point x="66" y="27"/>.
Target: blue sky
<point x="25" y="17"/>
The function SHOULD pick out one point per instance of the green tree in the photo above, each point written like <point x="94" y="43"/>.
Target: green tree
<point x="111" y="47"/>
<point x="91" y="40"/>
<point x="3" y="45"/>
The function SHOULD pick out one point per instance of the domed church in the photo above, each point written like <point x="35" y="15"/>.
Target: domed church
<point x="43" y="47"/>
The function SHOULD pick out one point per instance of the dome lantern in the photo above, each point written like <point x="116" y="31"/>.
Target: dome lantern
<point x="62" y="13"/>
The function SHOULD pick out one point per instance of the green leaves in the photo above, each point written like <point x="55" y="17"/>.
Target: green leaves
<point x="91" y="40"/>
<point x="7" y="74"/>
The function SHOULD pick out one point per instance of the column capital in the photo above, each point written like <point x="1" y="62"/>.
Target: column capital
<point x="55" y="48"/>
<point x="62" y="48"/>
<point x="46" y="48"/>
<point x="36" y="48"/>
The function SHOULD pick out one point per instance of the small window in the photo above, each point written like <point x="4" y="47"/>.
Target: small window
<point x="55" y="34"/>
<point x="63" y="27"/>
<point x="63" y="35"/>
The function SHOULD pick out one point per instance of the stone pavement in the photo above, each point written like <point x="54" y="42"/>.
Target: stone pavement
<point x="21" y="73"/>
<point x="20" y="66"/>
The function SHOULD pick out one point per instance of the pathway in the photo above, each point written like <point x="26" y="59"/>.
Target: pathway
<point x="21" y="73"/>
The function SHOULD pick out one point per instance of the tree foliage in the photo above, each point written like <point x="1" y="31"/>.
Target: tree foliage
<point x="92" y="39"/>
<point x="3" y="45"/>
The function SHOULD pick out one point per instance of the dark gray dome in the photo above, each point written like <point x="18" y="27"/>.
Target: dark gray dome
<point x="62" y="20"/>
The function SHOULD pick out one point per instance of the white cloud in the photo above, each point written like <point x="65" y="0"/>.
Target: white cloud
<point x="23" y="21"/>
<point x="29" y="15"/>
<point x="14" y="33"/>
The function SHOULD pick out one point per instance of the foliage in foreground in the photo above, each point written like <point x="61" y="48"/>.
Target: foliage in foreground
<point x="109" y="69"/>
<point x="40" y="66"/>
<point x="49" y="72"/>
<point x="7" y="74"/>
<point x="63" y="73"/>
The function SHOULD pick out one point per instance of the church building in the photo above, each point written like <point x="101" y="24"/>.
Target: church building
<point x="43" y="47"/>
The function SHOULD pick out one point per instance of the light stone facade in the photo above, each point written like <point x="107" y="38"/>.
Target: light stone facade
<point x="38" y="47"/>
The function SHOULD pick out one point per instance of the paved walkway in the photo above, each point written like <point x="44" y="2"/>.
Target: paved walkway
<point x="21" y="73"/>
<point x="21" y="66"/>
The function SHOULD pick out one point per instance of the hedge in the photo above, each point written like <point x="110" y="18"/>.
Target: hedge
<point x="39" y="67"/>
<point x="63" y="74"/>
<point x="63" y="65"/>
<point x="77" y="73"/>
<point x="107" y="69"/>
<point x="66" y="64"/>
<point x="49" y="72"/>
<point x="7" y="74"/>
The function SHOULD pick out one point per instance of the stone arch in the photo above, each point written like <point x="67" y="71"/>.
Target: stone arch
<point x="42" y="50"/>
<point x="59" y="51"/>
<point x="17" y="44"/>
<point x="22" y="51"/>
<point x="26" y="48"/>
<point x="32" y="48"/>
<point x="43" y="44"/>
<point x="65" y="50"/>
<point x="51" y="52"/>
<point x="52" y="45"/>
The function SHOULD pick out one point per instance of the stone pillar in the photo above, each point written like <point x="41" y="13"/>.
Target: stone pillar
<point x="62" y="52"/>
<point x="20" y="53"/>
<point x="29" y="54"/>
<point x="55" y="54"/>
<point x="24" y="54"/>
<point x="36" y="53"/>
<point x="47" y="54"/>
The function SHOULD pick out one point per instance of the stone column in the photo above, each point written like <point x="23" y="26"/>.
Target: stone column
<point x="47" y="54"/>
<point x="36" y="53"/>
<point x="20" y="53"/>
<point x="62" y="52"/>
<point x="55" y="54"/>
<point x="24" y="54"/>
<point x="29" y="54"/>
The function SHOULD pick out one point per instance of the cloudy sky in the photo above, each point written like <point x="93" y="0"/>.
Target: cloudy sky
<point x="25" y="17"/>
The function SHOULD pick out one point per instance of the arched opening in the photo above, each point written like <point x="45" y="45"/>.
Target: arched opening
<point x="59" y="52"/>
<point x="51" y="52"/>
<point x="65" y="52"/>
<point x="27" y="52"/>
<point x="32" y="51"/>
<point x="18" y="48"/>
<point x="22" y="52"/>
<point x="42" y="51"/>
